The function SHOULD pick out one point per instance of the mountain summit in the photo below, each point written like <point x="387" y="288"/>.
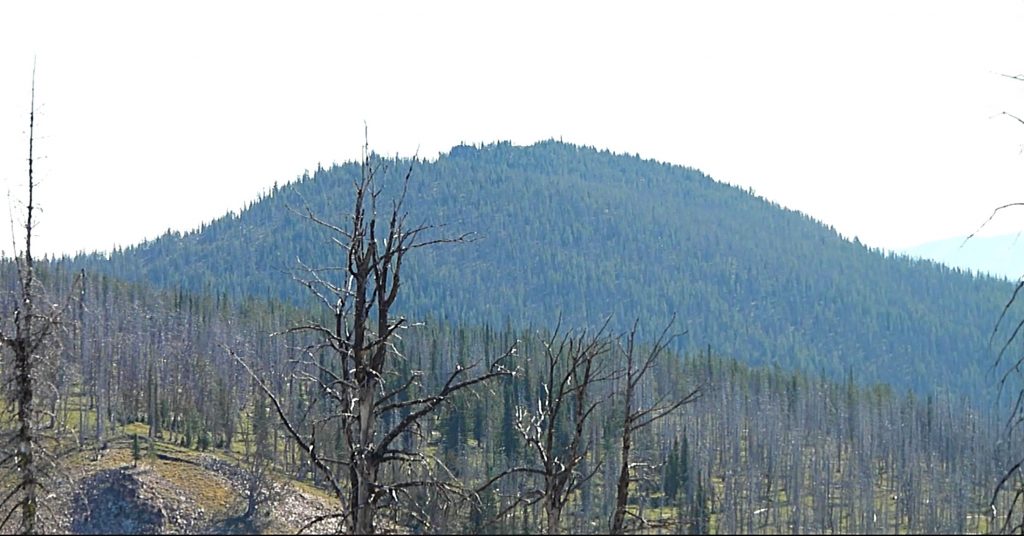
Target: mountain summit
<point x="574" y="233"/>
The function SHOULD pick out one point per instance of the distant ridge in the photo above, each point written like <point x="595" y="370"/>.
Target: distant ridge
<point x="577" y="233"/>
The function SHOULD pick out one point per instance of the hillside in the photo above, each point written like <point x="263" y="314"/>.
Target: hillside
<point x="761" y="450"/>
<point x="577" y="233"/>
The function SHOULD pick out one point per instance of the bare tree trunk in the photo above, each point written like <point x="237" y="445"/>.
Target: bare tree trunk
<point x="33" y="324"/>
<point x="356" y="381"/>
<point x="23" y="356"/>
<point x="82" y="361"/>
<point x="26" y="438"/>
<point x="635" y="419"/>
<point x="364" y="464"/>
<point x="622" y="487"/>
<point x="553" y="510"/>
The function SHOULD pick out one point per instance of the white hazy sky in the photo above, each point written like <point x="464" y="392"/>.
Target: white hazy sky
<point x="882" y="118"/>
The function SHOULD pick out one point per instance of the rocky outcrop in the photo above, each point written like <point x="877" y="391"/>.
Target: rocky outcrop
<point x="290" y="507"/>
<point x="132" y="501"/>
<point x="115" y="498"/>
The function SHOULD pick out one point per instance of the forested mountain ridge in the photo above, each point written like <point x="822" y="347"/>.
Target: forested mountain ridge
<point x="575" y="233"/>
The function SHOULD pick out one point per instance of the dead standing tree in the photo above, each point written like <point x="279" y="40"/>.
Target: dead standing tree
<point x="636" y="418"/>
<point x="557" y="431"/>
<point x="354" y="370"/>
<point x="1012" y="482"/>
<point x="26" y="337"/>
<point x="573" y="390"/>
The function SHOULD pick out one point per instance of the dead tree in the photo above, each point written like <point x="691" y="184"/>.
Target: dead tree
<point x="636" y="416"/>
<point x="556" y="432"/>
<point x="25" y="337"/>
<point x="350" y="367"/>
<point x="1011" y="484"/>
<point x="260" y="488"/>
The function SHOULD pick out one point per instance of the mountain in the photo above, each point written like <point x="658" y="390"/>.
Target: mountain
<point x="999" y="256"/>
<point x="574" y="234"/>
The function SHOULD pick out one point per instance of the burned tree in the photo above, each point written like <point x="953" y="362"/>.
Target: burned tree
<point x="557" y="431"/>
<point x="636" y="416"/>
<point x="360" y="403"/>
<point x="1011" y="486"/>
<point x="1008" y="495"/>
<point x="27" y="337"/>
<point x="260" y="489"/>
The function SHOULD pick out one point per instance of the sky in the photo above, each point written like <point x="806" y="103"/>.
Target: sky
<point x="884" y="119"/>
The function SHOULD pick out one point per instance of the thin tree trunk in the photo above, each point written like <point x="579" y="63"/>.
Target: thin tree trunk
<point x="622" y="488"/>
<point x="26" y="438"/>
<point x="22" y="346"/>
<point x="554" y="516"/>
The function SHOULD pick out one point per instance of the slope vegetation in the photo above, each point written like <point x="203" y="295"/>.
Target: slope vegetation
<point x="575" y="233"/>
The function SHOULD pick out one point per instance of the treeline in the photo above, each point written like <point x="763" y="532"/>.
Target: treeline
<point x="762" y="449"/>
